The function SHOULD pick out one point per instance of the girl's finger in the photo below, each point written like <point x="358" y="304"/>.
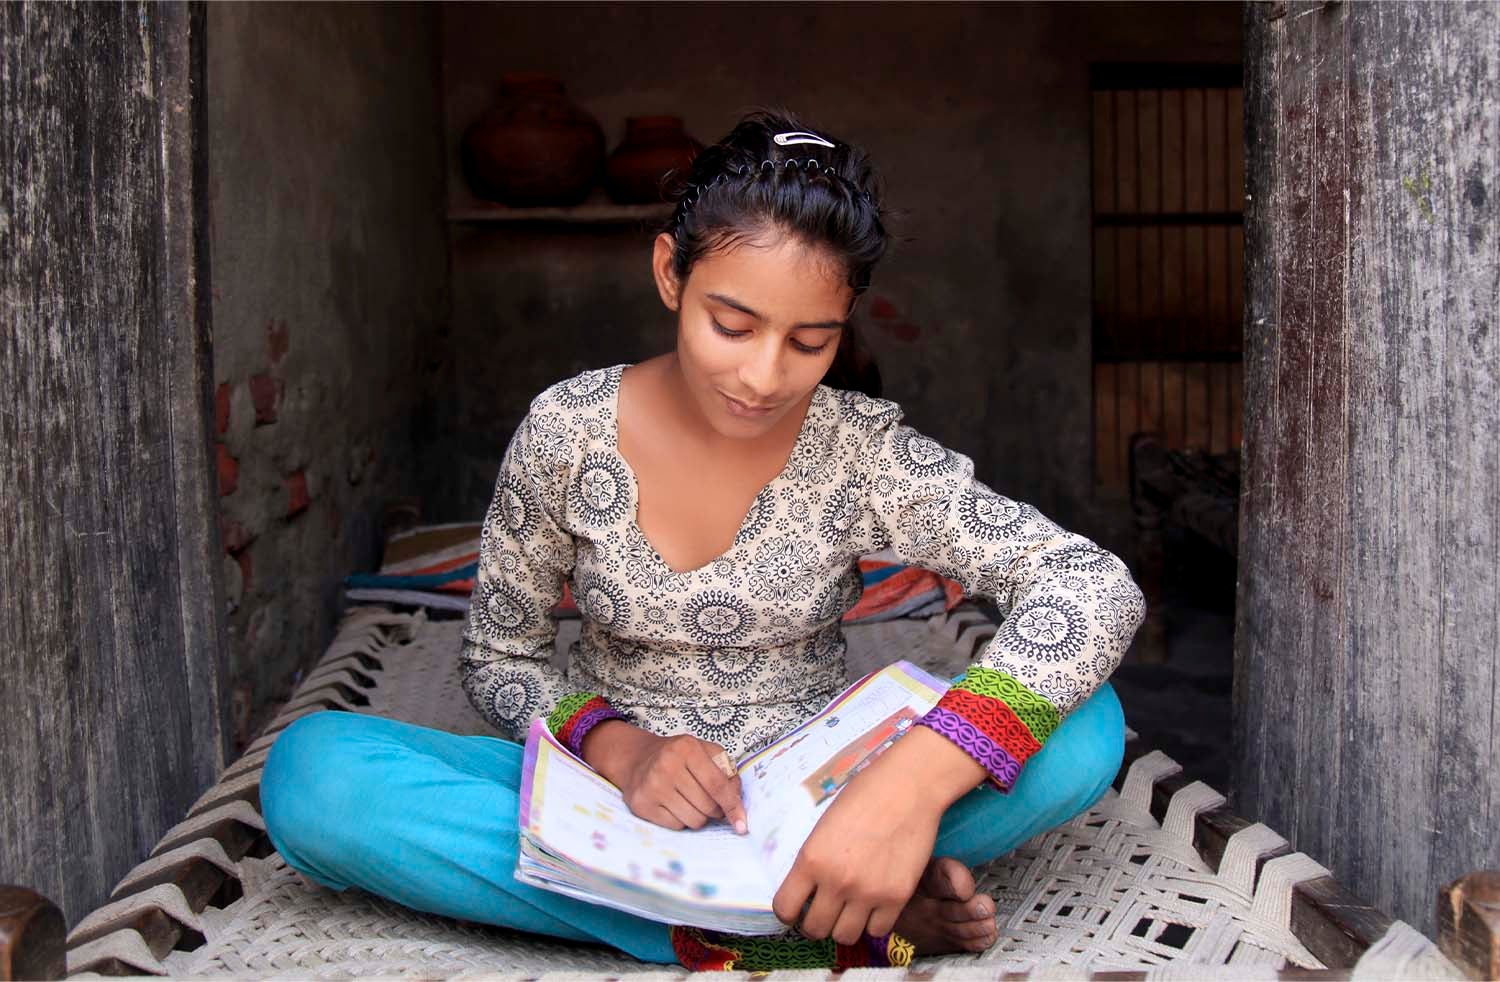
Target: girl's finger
<point x="851" y="923"/>
<point x="792" y="896"/>
<point x="883" y="920"/>
<point x="684" y="810"/>
<point x="824" y="913"/>
<point x="690" y="786"/>
<point x="725" y="791"/>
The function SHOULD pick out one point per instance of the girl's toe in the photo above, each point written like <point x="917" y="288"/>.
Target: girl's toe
<point x="980" y="908"/>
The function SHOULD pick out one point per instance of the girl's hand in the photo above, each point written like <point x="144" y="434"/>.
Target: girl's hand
<point x="861" y="865"/>
<point x="674" y="782"/>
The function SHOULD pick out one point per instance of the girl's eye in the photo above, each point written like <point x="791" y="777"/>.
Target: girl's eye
<point x="804" y="348"/>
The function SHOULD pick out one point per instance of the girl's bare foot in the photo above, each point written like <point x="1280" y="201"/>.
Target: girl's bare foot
<point x="946" y="915"/>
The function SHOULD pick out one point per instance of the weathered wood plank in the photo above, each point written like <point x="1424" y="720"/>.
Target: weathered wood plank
<point x="1323" y="517"/>
<point x="1257" y="588"/>
<point x="109" y="636"/>
<point x="1365" y="683"/>
<point x="1467" y="796"/>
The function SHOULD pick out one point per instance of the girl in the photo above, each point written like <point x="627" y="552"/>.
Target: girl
<point x="709" y="506"/>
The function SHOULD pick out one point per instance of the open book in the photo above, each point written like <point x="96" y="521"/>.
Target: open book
<point x="579" y="838"/>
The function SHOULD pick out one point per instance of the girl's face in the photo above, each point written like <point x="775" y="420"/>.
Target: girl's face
<point x="757" y="328"/>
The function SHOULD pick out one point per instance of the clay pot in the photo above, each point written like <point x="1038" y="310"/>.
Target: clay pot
<point x="654" y="147"/>
<point x="533" y="147"/>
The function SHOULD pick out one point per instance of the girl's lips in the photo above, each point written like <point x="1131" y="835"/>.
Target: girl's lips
<point x="744" y="409"/>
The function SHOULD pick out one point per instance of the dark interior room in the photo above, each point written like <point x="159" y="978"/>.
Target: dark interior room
<point x="295" y="287"/>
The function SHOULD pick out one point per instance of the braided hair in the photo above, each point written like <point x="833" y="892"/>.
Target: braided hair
<point x="746" y="185"/>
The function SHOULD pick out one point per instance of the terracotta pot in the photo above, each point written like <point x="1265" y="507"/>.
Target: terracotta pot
<point x="533" y="147"/>
<point x="654" y="147"/>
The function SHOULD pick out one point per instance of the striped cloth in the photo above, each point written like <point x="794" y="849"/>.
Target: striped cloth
<point x="434" y="566"/>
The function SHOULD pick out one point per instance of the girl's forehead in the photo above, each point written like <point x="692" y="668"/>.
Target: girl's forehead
<point x="782" y="272"/>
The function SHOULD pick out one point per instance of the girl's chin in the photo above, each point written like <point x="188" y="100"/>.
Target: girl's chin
<point x="738" y="427"/>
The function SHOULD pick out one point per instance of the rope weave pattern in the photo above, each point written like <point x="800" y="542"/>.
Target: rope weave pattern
<point x="1112" y="889"/>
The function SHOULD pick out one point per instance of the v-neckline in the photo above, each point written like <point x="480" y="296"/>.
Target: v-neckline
<point x="634" y="509"/>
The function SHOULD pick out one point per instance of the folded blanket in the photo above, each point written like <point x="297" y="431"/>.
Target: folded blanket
<point x="434" y="566"/>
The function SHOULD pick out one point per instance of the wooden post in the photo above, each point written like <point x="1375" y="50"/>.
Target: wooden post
<point x="111" y="644"/>
<point x="1468" y="917"/>
<point x="1366" y="648"/>
<point x="31" y="936"/>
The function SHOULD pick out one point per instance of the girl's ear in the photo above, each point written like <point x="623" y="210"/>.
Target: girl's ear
<point x="661" y="270"/>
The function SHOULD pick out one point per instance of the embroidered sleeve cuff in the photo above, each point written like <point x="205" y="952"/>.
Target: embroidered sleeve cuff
<point x="994" y="719"/>
<point x="576" y="715"/>
<point x="703" y="950"/>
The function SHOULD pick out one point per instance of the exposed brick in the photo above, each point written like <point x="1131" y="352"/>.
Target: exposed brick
<point x="883" y="309"/>
<point x="234" y="535"/>
<point x="278" y="340"/>
<point x="297" y="498"/>
<point x="265" y="392"/>
<point x="229" y="471"/>
<point x="221" y="408"/>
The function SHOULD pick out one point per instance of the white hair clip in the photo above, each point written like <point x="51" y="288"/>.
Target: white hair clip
<point x="800" y="136"/>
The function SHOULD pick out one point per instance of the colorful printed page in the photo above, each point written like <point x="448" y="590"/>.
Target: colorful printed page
<point x="579" y="837"/>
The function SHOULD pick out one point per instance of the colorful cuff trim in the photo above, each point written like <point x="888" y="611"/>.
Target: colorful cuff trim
<point x="994" y="719"/>
<point x="585" y="721"/>
<point x="702" y="950"/>
<point x="1039" y="715"/>
<point x="576" y="715"/>
<point x="1002" y="767"/>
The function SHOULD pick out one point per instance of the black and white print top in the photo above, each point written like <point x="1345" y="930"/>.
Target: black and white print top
<point x="749" y="644"/>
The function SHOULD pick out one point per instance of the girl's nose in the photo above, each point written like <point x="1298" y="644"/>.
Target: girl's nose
<point x="760" y="372"/>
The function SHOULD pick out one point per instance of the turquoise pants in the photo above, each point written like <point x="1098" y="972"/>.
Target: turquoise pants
<point x="428" y="819"/>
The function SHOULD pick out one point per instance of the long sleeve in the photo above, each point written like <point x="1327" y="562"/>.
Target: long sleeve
<point x="1070" y="607"/>
<point x="525" y="555"/>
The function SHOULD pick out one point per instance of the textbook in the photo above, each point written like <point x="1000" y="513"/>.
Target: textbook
<point x="579" y="838"/>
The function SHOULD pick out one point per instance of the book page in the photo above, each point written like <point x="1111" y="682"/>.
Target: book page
<point x="580" y="838"/>
<point x="584" y="819"/>
<point x="788" y="785"/>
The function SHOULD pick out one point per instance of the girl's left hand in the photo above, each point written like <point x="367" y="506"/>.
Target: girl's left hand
<point x="861" y="864"/>
<point x="866" y="855"/>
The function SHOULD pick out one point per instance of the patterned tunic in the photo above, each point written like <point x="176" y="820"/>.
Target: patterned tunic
<point x="746" y="646"/>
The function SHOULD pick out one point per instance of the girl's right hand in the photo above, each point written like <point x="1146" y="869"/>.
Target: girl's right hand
<point x="670" y="781"/>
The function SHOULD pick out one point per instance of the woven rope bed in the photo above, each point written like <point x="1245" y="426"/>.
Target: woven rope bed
<point x="1113" y="890"/>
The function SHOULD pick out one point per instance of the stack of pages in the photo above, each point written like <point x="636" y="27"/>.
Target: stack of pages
<point x="579" y="838"/>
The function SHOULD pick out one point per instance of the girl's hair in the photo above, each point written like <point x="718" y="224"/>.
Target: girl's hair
<point x="747" y="185"/>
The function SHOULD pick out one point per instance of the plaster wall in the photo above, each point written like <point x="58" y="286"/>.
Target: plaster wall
<point x="329" y="270"/>
<point x="978" y="118"/>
